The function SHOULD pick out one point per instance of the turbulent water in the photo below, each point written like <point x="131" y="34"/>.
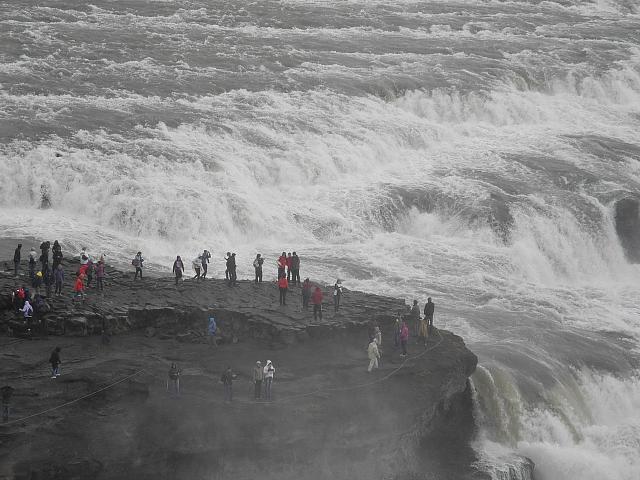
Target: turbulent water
<point x="472" y="151"/>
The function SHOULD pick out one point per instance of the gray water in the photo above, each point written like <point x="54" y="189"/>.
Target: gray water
<point x="472" y="151"/>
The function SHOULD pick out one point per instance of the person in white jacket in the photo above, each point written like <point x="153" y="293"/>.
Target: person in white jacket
<point x="269" y="370"/>
<point x="374" y="355"/>
<point x="197" y="264"/>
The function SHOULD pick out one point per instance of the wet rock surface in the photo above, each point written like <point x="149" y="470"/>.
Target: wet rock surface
<point x="328" y="418"/>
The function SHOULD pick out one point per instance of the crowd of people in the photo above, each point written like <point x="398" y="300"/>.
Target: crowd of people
<point x="46" y="272"/>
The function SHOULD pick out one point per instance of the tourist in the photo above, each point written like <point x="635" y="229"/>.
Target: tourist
<point x="100" y="274"/>
<point x="373" y="354"/>
<point x="173" y="383"/>
<point x="6" y="392"/>
<point x="212" y="330"/>
<point x="59" y="276"/>
<point x="396" y="331"/>
<point x="337" y="295"/>
<point x="91" y="268"/>
<point x="289" y="264"/>
<point x="138" y="262"/>
<point x="197" y="264"/>
<point x="257" y="265"/>
<point x="49" y="280"/>
<point x="231" y="266"/>
<point x="226" y="261"/>
<point x="44" y="258"/>
<point x="306" y="293"/>
<point x="429" y="308"/>
<point x="17" y="254"/>
<point x="27" y="309"/>
<point x="84" y="256"/>
<point x="57" y="254"/>
<point x="295" y="268"/>
<point x="178" y="268"/>
<point x="414" y="316"/>
<point x="283" y="285"/>
<point x="316" y="299"/>
<point x="269" y="370"/>
<point x="37" y="282"/>
<point x="258" y="376"/>
<point x="55" y="362"/>
<point x="32" y="263"/>
<point x="205" y="263"/>
<point x="227" y="382"/>
<point x="79" y="287"/>
<point x="404" y="337"/>
<point x="282" y="264"/>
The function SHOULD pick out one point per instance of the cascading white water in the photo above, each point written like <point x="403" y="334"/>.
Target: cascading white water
<point x="469" y="151"/>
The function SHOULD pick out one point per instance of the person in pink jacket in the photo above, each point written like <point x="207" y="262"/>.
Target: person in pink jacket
<point x="404" y="337"/>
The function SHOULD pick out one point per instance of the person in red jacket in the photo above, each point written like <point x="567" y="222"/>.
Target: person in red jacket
<point x="283" y="285"/>
<point x="316" y="299"/>
<point x="79" y="286"/>
<point x="282" y="264"/>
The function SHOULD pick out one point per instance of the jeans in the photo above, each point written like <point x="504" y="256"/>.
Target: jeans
<point x="305" y="301"/>
<point x="58" y="288"/>
<point x="317" y="311"/>
<point x="429" y="324"/>
<point x="228" y="392"/>
<point x="197" y="276"/>
<point x="55" y="370"/>
<point x="283" y="296"/>
<point x="267" y="387"/>
<point x="258" y="274"/>
<point x="336" y="303"/>
<point x="16" y="268"/>
<point x="204" y="269"/>
<point x="295" y="275"/>
<point x="138" y="271"/>
<point x="178" y="276"/>
<point x="100" y="283"/>
<point x="288" y="274"/>
<point x="258" y="389"/>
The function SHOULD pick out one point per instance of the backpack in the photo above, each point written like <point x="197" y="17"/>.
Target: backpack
<point x="256" y="263"/>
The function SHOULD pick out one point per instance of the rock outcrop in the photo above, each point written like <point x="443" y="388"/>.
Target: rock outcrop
<point x="329" y="418"/>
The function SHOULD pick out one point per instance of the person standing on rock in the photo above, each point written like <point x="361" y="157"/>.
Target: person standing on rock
<point x="306" y="294"/>
<point x="178" y="269"/>
<point x="173" y="383"/>
<point x="258" y="377"/>
<point x="414" y="315"/>
<point x="282" y="264"/>
<point x="337" y="295"/>
<point x="49" y="280"/>
<point x="32" y="263"/>
<point x="374" y="354"/>
<point x="295" y="269"/>
<point x="197" y="264"/>
<point x="269" y="371"/>
<point x="100" y="274"/>
<point x="206" y="256"/>
<point x="17" y="254"/>
<point x="55" y="362"/>
<point x="316" y="299"/>
<point x="226" y="262"/>
<point x="79" y="287"/>
<point x="257" y="266"/>
<point x="429" y="308"/>
<point x="283" y="285"/>
<point x="227" y="382"/>
<point x="231" y="266"/>
<point x="137" y="262"/>
<point x="44" y="258"/>
<point x="57" y="254"/>
<point x="404" y="337"/>
<point x="212" y="330"/>
<point x="59" y="277"/>
<point x="289" y="264"/>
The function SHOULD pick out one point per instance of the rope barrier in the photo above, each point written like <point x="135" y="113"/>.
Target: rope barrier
<point x="71" y="402"/>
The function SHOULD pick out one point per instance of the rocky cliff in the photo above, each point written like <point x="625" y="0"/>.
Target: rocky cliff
<point x="329" y="418"/>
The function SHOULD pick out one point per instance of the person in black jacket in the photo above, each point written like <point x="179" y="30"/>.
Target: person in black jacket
<point x="16" y="259"/>
<point x="227" y="381"/>
<point x="57" y="254"/>
<point x="429" y="308"/>
<point x="55" y="362"/>
<point x="295" y="269"/>
<point x="231" y="268"/>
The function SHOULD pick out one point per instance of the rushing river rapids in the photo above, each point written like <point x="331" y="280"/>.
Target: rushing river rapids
<point x="484" y="153"/>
